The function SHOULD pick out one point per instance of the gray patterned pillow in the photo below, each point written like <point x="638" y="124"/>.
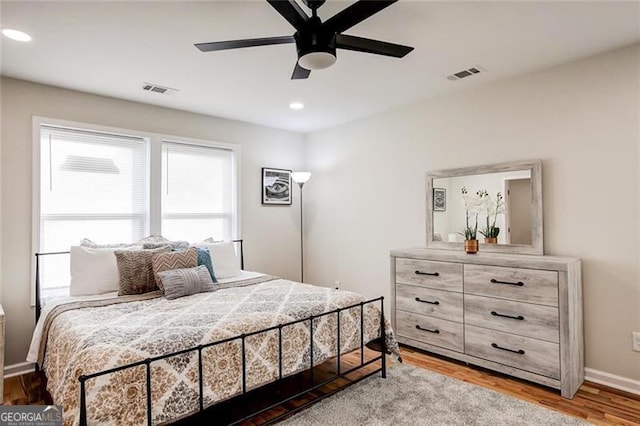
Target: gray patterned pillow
<point x="179" y="245"/>
<point x="151" y="246"/>
<point x="85" y="242"/>
<point x="135" y="270"/>
<point x="175" y="245"/>
<point x="152" y="239"/>
<point x="184" y="282"/>
<point x="155" y="241"/>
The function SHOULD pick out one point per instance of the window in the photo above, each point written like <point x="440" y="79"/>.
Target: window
<point x="119" y="186"/>
<point x="92" y="185"/>
<point x="197" y="192"/>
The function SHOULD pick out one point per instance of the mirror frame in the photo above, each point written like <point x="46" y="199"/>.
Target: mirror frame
<point x="535" y="166"/>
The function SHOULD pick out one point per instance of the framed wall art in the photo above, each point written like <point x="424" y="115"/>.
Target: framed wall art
<point x="276" y="186"/>
<point x="439" y="199"/>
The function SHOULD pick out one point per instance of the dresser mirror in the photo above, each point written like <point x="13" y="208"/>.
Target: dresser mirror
<point x="506" y="197"/>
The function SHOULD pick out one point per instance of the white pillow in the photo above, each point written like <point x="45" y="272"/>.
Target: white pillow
<point x="93" y="271"/>
<point x="223" y="256"/>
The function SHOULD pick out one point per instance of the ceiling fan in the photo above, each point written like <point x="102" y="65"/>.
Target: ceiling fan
<point x="317" y="41"/>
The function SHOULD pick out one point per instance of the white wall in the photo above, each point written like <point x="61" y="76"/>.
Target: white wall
<point x="271" y="233"/>
<point x="367" y="192"/>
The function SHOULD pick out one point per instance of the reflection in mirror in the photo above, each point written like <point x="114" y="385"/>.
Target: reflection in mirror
<point x="515" y="218"/>
<point x="506" y="207"/>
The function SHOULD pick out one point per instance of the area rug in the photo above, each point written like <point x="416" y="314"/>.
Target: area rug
<point x="414" y="396"/>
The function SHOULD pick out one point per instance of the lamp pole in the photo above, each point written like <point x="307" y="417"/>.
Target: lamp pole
<point x="301" y="178"/>
<point x="301" y="184"/>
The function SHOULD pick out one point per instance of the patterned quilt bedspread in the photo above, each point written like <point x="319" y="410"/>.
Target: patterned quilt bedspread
<point x="88" y="337"/>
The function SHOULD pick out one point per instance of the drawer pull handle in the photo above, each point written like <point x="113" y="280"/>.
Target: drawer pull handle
<point x="427" y="301"/>
<point x="519" y="351"/>
<point x="496" y="314"/>
<point x="432" y="274"/>
<point x="436" y="331"/>
<point x="494" y="281"/>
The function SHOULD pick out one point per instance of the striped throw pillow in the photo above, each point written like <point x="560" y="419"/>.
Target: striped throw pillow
<point x="185" y="282"/>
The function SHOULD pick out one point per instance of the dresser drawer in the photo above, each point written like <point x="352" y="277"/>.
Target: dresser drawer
<point x="525" y="319"/>
<point x="536" y="356"/>
<point x="427" y="301"/>
<point x="526" y="285"/>
<point x="438" y="275"/>
<point x="435" y="331"/>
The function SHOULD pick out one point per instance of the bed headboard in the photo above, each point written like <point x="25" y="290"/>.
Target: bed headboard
<point x="38" y="255"/>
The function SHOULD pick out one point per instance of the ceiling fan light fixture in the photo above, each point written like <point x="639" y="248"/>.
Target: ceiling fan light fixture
<point x="317" y="60"/>
<point x="316" y="40"/>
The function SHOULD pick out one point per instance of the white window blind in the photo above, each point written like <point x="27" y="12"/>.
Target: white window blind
<point x="197" y="192"/>
<point x="92" y="185"/>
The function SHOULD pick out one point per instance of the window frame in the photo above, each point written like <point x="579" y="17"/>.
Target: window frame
<point x="154" y="175"/>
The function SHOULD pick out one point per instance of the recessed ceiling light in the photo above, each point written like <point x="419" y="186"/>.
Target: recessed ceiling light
<point x="16" y="35"/>
<point x="296" y="105"/>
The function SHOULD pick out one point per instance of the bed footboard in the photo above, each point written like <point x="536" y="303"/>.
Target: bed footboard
<point x="203" y="411"/>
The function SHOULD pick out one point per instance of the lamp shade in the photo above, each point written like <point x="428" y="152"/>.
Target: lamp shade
<point x="300" y="177"/>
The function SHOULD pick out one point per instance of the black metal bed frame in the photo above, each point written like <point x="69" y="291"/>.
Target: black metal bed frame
<point x="203" y="411"/>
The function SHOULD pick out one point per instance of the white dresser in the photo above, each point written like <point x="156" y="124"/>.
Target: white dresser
<point x="517" y="314"/>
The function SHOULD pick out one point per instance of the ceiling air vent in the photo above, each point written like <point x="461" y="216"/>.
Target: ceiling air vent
<point x="466" y="73"/>
<point x="150" y="87"/>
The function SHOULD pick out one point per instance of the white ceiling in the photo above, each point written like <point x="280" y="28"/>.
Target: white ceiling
<point x="111" y="48"/>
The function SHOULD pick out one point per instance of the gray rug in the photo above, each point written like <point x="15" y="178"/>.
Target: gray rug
<point x="414" y="396"/>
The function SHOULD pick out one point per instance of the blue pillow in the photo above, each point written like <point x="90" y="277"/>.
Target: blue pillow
<point x="204" y="258"/>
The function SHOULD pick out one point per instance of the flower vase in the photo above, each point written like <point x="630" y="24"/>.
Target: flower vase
<point x="471" y="246"/>
<point x="493" y="240"/>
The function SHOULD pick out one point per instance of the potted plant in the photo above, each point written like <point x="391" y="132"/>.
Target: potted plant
<point x="491" y="231"/>
<point x="469" y="232"/>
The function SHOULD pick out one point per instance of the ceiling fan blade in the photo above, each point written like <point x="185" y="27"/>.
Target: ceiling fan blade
<point x="236" y="44"/>
<point x="367" y="45"/>
<point x="290" y="10"/>
<point x="355" y="14"/>
<point x="300" y="73"/>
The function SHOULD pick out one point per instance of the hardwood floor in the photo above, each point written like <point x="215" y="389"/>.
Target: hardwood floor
<point x="594" y="403"/>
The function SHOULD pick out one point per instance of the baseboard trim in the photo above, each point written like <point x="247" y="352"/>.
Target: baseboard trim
<point x="18" y="369"/>
<point x="612" y="380"/>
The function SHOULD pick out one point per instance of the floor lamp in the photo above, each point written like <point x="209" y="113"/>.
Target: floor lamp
<point x="301" y="178"/>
